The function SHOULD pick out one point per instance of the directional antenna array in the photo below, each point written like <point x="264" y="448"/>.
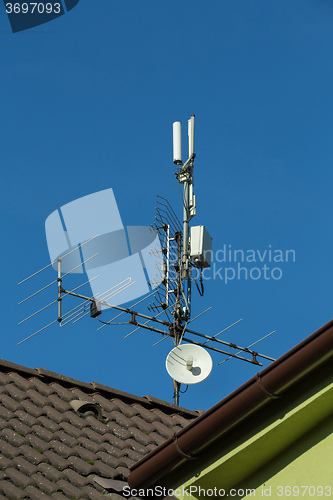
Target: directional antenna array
<point x="169" y="230"/>
<point x="123" y="264"/>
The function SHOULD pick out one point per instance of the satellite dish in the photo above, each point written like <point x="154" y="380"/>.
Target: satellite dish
<point x="189" y="364"/>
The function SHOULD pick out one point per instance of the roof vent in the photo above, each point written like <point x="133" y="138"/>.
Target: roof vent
<point x="84" y="407"/>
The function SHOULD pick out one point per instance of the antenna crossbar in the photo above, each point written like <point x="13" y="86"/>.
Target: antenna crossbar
<point x="229" y="344"/>
<point x="118" y="308"/>
<point x="253" y="361"/>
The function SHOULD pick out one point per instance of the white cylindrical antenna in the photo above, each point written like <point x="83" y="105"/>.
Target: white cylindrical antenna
<point x="191" y="136"/>
<point x="177" y="143"/>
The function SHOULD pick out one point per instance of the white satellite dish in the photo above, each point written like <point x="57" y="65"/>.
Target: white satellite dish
<point x="189" y="364"/>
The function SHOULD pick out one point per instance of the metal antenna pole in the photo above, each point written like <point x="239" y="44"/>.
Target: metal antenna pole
<point x="186" y="271"/>
<point x="59" y="292"/>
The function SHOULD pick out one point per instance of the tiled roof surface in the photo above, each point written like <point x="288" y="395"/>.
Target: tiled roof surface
<point x="61" y="438"/>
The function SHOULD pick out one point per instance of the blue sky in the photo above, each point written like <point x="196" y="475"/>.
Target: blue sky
<point x="88" y="102"/>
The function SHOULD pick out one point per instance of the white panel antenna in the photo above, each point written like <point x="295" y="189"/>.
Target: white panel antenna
<point x="191" y="136"/>
<point x="177" y="143"/>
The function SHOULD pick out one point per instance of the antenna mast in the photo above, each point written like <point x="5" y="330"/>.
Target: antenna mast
<point x="184" y="176"/>
<point x="168" y="253"/>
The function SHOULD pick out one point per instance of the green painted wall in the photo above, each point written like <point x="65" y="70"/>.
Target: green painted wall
<point x="286" y="455"/>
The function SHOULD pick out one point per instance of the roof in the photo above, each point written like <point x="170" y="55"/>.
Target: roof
<point x="62" y="438"/>
<point x="292" y="373"/>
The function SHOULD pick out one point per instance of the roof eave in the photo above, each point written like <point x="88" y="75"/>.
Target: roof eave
<point x="259" y="391"/>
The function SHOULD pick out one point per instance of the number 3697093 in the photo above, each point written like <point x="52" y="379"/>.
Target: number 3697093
<point x="33" y="8"/>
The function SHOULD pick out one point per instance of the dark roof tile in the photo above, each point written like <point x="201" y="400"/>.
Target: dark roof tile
<point x="35" y="494"/>
<point x="86" y="443"/>
<point x="147" y="415"/>
<point x="19" y="426"/>
<point x="143" y="438"/>
<point x="93" y="494"/>
<point x="24" y="466"/>
<point x="34" y="456"/>
<point x="4" y="461"/>
<point x="31" y="409"/>
<point x="8" y="450"/>
<point x="55" y="415"/>
<point x="70" y="429"/>
<point x="77" y="393"/>
<point x="163" y="430"/>
<point x="118" y="431"/>
<point x="12" y="437"/>
<point x="43" y="484"/>
<point x="58" y="496"/>
<point x="122" y="472"/>
<point x="121" y="419"/>
<point x="5" y="414"/>
<point x="181" y="420"/>
<point x="41" y="387"/>
<point x="9" y="403"/>
<point x="64" y="437"/>
<point x="21" y="382"/>
<point x="134" y="455"/>
<point x="75" y="478"/>
<point x="52" y="451"/>
<point x="55" y="460"/>
<point x="68" y="489"/>
<point x="24" y="417"/>
<point x="127" y="461"/>
<point x="38" y="399"/>
<point x="103" y="469"/>
<point x="127" y="410"/>
<point x="11" y="491"/>
<point x="16" y="393"/>
<point x="83" y="453"/>
<point x="58" y="403"/>
<point x="4" y="379"/>
<point x="167" y="419"/>
<point x="4" y="424"/>
<point x="60" y="448"/>
<point x="115" y="451"/>
<point x="141" y="424"/>
<point x="50" y="472"/>
<point x="50" y="425"/>
<point x="113" y="442"/>
<point x="94" y="436"/>
<point x="42" y="433"/>
<point x="20" y="480"/>
<point x="81" y="466"/>
<point x="61" y="391"/>
<point x="108" y="406"/>
<point x="133" y="444"/>
<point x="37" y="443"/>
<point x="156" y="438"/>
<point x="109" y="460"/>
<point x="96" y="425"/>
<point x="74" y="419"/>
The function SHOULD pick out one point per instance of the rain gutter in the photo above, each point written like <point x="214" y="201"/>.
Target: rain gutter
<point x="269" y="384"/>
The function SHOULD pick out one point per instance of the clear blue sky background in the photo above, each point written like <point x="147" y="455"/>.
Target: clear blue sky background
<point x="87" y="103"/>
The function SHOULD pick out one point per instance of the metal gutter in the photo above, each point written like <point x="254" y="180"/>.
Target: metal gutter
<point x="271" y="383"/>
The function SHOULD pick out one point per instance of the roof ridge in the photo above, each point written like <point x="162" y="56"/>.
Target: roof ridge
<point x="147" y="401"/>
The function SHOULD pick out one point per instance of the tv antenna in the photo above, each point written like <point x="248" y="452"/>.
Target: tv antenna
<point x="167" y="252"/>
